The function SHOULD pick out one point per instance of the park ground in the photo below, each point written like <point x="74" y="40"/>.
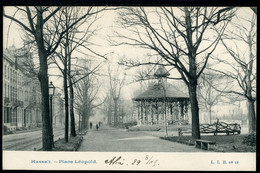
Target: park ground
<point x="111" y="139"/>
<point x="136" y="139"/>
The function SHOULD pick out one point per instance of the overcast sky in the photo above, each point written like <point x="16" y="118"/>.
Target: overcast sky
<point x="107" y="23"/>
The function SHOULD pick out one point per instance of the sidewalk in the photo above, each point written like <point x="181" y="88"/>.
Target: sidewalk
<point x="23" y="131"/>
<point x="29" y="130"/>
<point x="109" y="139"/>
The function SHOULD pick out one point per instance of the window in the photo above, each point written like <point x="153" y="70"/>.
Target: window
<point x="22" y="95"/>
<point x="26" y="96"/>
<point x="11" y="95"/>
<point x="18" y="115"/>
<point x="15" y="96"/>
<point x="5" y="91"/>
<point x="5" y="71"/>
<point x="6" y="115"/>
<point x="14" y="93"/>
<point x="13" y="75"/>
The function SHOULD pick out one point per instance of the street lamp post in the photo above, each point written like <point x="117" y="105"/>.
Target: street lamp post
<point x="51" y="94"/>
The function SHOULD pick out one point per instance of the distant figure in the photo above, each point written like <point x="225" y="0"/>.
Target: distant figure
<point x="180" y="132"/>
<point x="97" y="126"/>
<point x="90" y="124"/>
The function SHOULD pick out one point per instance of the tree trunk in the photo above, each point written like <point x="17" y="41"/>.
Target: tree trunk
<point x="79" y="123"/>
<point x="210" y="114"/>
<point x="66" y="135"/>
<point x="251" y="106"/>
<point x="44" y="80"/>
<point x="87" y="123"/>
<point x="194" y="111"/>
<point x="251" y="116"/>
<point x="72" y="118"/>
<point x="109" y="116"/>
<point x="115" y="112"/>
<point x="46" y="125"/>
<point x="65" y="75"/>
<point x="83" y="122"/>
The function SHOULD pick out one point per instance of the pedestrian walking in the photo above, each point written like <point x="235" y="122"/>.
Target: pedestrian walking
<point x="96" y="126"/>
<point x="99" y="124"/>
<point x="90" y="124"/>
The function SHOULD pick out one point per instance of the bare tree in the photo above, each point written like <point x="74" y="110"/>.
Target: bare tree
<point x="207" y="95"/>
<point x="86" y="98"/>
<point x="116" y="83"/>
<point x="76" y="38"/>
<point x="37" y="17"/>
<point x="107" y="108"/>
<point x="240" y="44"/>
<point x="37" y="22"/>
<point x="183" y="37"/>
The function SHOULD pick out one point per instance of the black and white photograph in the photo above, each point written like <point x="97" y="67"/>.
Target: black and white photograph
<point x="129" y="88"/>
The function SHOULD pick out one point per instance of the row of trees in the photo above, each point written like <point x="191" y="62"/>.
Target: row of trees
<point x="55" y="33"/>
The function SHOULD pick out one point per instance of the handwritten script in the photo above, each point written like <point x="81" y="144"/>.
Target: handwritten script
<point x="119" y="160"/>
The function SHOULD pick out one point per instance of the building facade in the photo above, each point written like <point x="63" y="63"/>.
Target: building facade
<point x="21" y="95"/>
<point x="13" y="92"/>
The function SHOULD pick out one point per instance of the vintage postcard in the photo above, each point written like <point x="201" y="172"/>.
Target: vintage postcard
<point x="129" y="88"/>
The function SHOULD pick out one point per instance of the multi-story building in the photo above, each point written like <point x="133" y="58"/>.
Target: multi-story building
<point x="13" y="92"/>
<point x="21" y="94"/>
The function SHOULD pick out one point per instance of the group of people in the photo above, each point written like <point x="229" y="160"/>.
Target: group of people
<point x="98" y="125"/>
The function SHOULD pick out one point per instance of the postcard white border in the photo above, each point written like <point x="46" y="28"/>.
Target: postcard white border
<point x="27" y="160"/>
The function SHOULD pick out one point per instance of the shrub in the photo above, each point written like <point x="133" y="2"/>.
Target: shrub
<point x="250" y="140"/>
<point x="18" y="129"/>
<point x="9" y="132"/>
<point x="144" y="128"/>
<point x="179" y="122"/>
<point x="119" y="125"/>
<point x="130" y="124"/>
<point x="24" y="128"/>
<point x="6" y="129"/>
